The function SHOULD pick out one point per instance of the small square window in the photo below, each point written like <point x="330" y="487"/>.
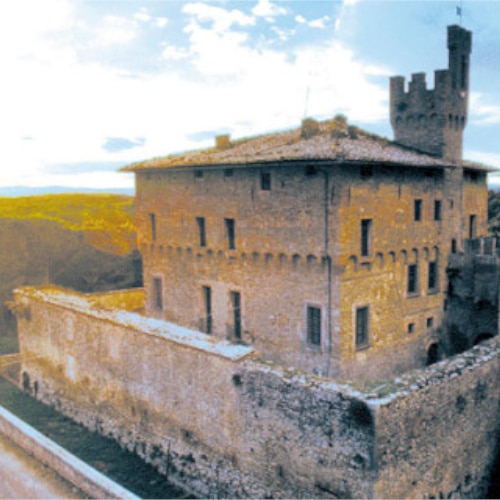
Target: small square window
<point x="265" y="181"/>
<point x="228" y="172"/>
<point x="430" y="323"/>
<point x="311" y="170"/>
<point x="314" y="325"/>
<point x="198" y="174"/>
<point x="411" y="327"/>
<point x="417" y="213"/>
<point x="366" y="171"/>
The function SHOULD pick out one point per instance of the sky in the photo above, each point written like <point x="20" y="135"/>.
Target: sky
<point x="90" y="86"/>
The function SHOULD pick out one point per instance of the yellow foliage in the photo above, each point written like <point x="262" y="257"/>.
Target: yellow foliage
<point x="107" y="220"/>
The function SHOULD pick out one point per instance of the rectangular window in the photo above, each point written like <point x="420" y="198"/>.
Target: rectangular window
<point x="230" y="233"/>
<point x="228" y="172"/>
<point x="433" y="276"/>
<point x="200" y="221"/>
<point x="437" y="209"/>
<point x="472" y="226"/>
<point x="314" y="325"/>
<point x="411" y="328"/>
<point x="417" y="212"/>
<point x="236" y="305"/>
<point x="152" y="226"/>
<point x="453" y="245"/>
<point x="412" y="278"/>
<point x="207" y="300"/>
<point x="265" y="181"/>
<point x="366" y="171"/>
<point x="366" y="237"/>
<point x="158" y="294"/>
<point x="430" y="323"/>
<point x="198" y="174"/>
<point x="362" y="326"/>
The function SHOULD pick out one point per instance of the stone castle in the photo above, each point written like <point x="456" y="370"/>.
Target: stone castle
<point x="296" y="287"/>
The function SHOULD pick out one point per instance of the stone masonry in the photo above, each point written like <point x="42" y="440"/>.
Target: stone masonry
<point x="217" y="419"/>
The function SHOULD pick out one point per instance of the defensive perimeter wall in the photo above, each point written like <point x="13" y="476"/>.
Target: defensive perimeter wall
<point x="216" y="419"/>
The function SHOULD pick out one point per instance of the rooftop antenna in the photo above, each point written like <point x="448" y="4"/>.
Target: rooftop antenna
<point x="460" y="11"/>
<point x="307" y="99"/>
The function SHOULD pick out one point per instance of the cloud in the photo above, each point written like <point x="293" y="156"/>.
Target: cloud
<point x="174" y="53"/>
<point x="220" y="18"/>
<point x="481" y="112"/>
<point x="222" y="75"/>
<point x="116" y="30"/>
<point x="319" y="23"/>
<point x="268" y="10"/>
<point x="114" y="144"/>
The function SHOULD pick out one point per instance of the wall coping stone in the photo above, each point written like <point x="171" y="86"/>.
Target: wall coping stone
<point x="68" y="466"/>
<point x="153" y="326"/>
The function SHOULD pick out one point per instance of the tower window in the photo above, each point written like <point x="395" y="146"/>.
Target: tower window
<point x="200" y="221"/>
<point x="236" y="306"/>
<point x="412" y="279"/>
<point x="430" y="323"/>
<point x="453" y="245"/>
<point x="152" y="226"/>
<point x="314" y="325"/>
<point x="437" y="209"/>
<point x="207" y="300"/>
<point x="417" y="212"/>
<point x="366" y="237"/>
<point x="411" y="328"/>
<point x="362" y="326"/>
<point x="230" y="233"/>
<point x="265" y="181"/>
<point x="158" y="294"/>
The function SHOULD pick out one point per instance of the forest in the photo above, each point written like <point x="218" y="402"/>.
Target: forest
<point x="86" y="242"/>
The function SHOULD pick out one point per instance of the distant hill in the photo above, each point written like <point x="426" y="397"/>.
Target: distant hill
<point x="82" y="241"/>
<point x="32" y="191"/>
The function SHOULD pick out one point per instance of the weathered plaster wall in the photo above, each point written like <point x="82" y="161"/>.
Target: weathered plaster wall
<point x="214" y="418"/>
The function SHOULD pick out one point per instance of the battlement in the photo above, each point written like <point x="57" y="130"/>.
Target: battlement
<point x="432" y="120"/>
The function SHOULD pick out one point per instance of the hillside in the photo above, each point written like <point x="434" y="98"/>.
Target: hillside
<point x="84" y="242"/>
<point x="106" y="220"/>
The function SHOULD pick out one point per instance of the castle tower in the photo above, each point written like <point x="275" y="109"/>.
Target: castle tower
<point x="433" y="120"/>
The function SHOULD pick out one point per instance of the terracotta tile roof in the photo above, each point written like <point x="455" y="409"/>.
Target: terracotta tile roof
<point x="331" y="140"/>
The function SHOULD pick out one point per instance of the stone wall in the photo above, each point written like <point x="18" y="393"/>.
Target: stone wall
<point x="472" y="298"/>
<point x="206" y="413"/>
<point x="437" y="430"/>
<point x="216" y="419"/>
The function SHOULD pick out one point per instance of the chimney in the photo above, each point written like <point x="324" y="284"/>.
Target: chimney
<point x="310" y="128"/>
<point x="223" y="141"/>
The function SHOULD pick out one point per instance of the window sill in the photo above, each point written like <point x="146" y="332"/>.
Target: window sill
<point x="412" y="295"/>
<point x="363" y="347"/>
<point x="433" y="291"/>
